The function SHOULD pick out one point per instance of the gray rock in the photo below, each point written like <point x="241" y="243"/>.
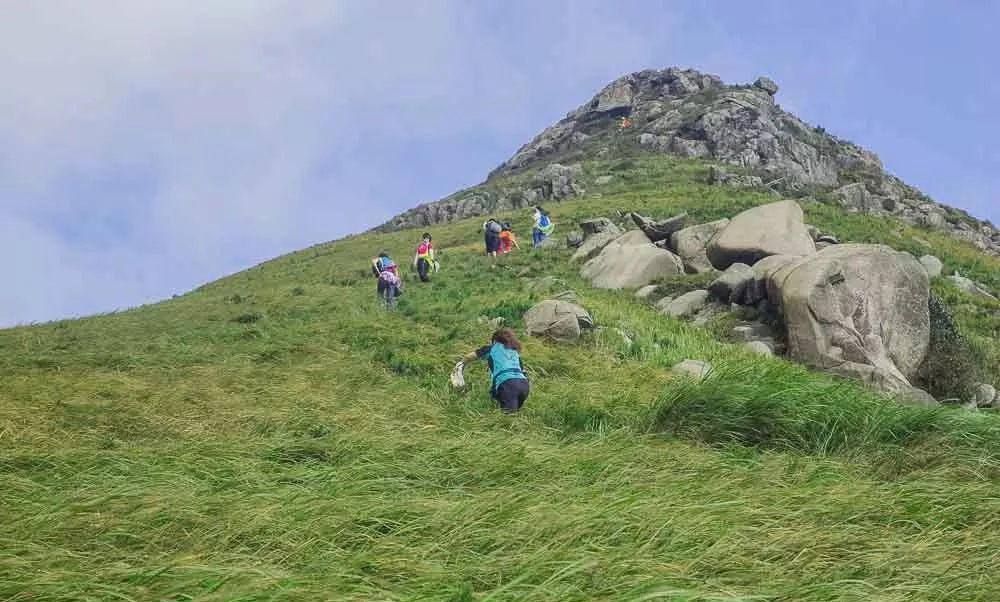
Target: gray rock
<point x="602" y="180"/>
<point x="859" y="311"/>
<point x="855" y="197"/>
<point x="932" y="265"/>
<point x="828" y="238"/>
<point x="754" y="331"/>
<point x="773" y="229"/>
<point x="970" y="286"/>
<point x="691" y="242"/>
<point x="550" y="243"/>
<point x="659" y="230"/>
<point x="766" y="84"/>
<point x="759" y="347"/>
<point x="692" y="369"/>
<point x="630" y="261"/>
<point x="598" y="225"/>
<point x="756" y="290"/>
<point x="557" y="320"/>
<point x="984" y="394"/>
<point x="731" y="285"/>
<point x="646" y="293"/>
<point x="686" y="305"/>
<point x="557" y="182"/>
<point x="593" y="245"/>
<point x="663" y="303"/>
<point x="574" y="240"/>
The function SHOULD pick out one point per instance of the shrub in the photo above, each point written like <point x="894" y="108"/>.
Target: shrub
<point x="951" y="366"/>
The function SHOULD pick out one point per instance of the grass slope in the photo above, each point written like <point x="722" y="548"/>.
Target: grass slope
<point x="274" y="436"/>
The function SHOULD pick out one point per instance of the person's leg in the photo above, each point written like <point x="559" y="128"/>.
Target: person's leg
<point x="536" y="237"/>
<point x="511" y="395"/>
<point x="423" y="267"/>
<point x="381" y="292"/>
<point x="524" y="389"/>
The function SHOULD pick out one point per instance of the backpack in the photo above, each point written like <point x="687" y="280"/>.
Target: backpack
<point x="544" y="222"/>
<point x="493" y="226"/>
<point x="389" y="277"/>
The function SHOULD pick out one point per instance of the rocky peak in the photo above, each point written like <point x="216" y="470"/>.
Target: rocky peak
<point x="749" y="138"/>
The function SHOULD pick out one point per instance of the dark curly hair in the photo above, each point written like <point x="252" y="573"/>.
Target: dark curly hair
<point x="507" y="338"/>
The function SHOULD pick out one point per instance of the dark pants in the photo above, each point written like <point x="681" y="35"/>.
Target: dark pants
<point x="492" y="242"/>
<point x="511" y="394"/>
<point x="537" y="236"/>
<point x="423" y="269"/>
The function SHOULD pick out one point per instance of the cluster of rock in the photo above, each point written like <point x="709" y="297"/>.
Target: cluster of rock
<point x="555" y="182"/>
<point x="854" y="310"/>
<point x="751" y="140"/>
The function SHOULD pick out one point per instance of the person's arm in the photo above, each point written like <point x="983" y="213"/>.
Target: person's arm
<point x="478" y="354"/>
<point x="513" y="241"/>
<point x="375" y="269"/>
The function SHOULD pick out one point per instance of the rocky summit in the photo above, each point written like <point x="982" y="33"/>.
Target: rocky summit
<point x="741" y="133"/>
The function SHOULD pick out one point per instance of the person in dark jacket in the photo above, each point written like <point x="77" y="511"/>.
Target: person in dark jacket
<point x="491" y="233"/>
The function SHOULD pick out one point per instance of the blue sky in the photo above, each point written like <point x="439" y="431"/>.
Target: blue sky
<point x="146" y="148"/>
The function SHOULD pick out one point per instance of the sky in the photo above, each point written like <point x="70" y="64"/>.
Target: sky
<point x="149" y="147"/>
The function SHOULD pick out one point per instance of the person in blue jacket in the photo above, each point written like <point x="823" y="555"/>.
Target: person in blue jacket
<point x="509" y="385"/>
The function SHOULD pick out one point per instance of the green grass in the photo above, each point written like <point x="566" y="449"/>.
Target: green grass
<point x="275" y="436"/>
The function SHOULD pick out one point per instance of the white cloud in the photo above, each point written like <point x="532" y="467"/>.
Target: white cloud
<point x="148" y="146"/>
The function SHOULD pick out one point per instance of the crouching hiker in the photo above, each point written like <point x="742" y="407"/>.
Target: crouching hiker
<point x="389" y="284"/>
<point x="508" y="384"/>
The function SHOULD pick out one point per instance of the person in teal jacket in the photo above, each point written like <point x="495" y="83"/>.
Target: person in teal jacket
<point x="508" y="384"/>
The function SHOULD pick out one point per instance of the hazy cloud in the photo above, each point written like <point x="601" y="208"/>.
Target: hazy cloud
<point x="148" y="147"/>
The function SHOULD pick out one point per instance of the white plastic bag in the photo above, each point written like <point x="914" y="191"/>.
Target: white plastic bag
<point x="458" y="375"/>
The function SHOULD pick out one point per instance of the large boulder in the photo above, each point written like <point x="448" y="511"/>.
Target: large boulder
<point x="773" y="229"/>
<point x="557" y="320"/>
<point x="630" y="261"/>
<point x="592" y="245"/>
<point x="691" y="242"/>
<point x="731" y="285"/>
<point x="859" y="311"/>
<point x="756" y="289"/>
<point x="933" y="265"/>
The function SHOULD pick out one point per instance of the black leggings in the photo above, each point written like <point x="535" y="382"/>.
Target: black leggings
<point x="423" y="268"/>
<point x="512" y="393"/>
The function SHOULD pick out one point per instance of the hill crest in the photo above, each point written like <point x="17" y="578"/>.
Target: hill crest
<point x="739" y="129"/>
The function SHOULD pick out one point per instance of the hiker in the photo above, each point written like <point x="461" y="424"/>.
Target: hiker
<point x="508" y="242"/>
<point x="423" y="261"/>
<point x="389" y="284"/>
<point x="508" y="384"/>
<point x="491" y="231"/>
<point x="543" y="226"/>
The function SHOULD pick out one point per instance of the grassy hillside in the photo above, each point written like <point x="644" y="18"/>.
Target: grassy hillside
<point x="275" y="436"/>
